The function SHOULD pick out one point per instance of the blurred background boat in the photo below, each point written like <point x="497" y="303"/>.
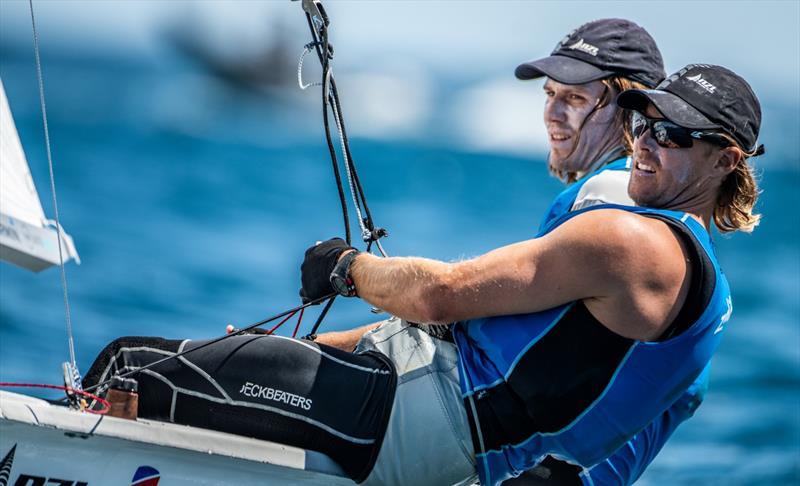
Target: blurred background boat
<point x="268" y="68"/>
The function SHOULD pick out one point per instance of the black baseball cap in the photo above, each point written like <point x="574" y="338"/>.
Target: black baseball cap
<point x="598" y="50"/>
<point x="705" y="97"/>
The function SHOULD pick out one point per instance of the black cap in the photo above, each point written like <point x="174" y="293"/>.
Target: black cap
<point x="705" y="97"/>
<point x="598" y="50"/>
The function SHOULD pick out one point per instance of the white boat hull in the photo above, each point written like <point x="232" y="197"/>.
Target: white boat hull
<point x="56" y="446"/>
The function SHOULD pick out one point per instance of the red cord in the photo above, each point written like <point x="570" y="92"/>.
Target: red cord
<point x="281" y="323"/>
<point x="102" y="411"/>
<point x="299" y="320"/>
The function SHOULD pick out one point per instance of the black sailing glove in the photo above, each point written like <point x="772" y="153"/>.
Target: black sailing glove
<point x="315" y="272"/>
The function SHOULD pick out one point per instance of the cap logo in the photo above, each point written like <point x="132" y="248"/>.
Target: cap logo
<point x="703" y="83"/>
<point x="585" y="47"/>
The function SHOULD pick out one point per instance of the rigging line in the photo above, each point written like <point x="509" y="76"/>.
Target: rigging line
<point x="369" y="232"/>
<point x="299" y="320"/>
<point x="244" y="330"/>
<point x="319" y="31"/>
<point x="363" y="197"/>
<point x="348" y="168"/>
<point x="304" y="86"/>
<point x="318" y="25"/>
<point x="335" y="161"/>
<point x="40" y="78"/>
<point x="380" y="248"/>
<point x="322" y="315"/>
<point x="323" y="52"/>
<point x="278" y="325"/>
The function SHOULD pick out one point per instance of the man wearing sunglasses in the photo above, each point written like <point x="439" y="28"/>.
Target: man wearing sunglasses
<point x="572" y="343"/>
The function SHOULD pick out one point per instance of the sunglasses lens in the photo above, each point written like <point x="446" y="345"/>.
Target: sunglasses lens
<point x="662" y="136"/>
<point x="672" y="136"/>
<point x="638" y="124"/>
<point x="665" y="133"/>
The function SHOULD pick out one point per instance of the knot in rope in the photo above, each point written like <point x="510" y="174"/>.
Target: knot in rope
<point x="373" y="235"/>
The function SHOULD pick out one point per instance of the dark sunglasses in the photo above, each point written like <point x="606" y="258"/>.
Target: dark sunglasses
<point x="670" y="135"/>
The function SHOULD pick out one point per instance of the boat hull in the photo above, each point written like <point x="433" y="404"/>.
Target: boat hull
<point x="43" y="444"/>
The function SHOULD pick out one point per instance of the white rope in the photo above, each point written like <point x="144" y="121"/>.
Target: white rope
<point x="365" y="233"/>
<point x="337" y="118"/>
<point x="39" y="76"/>
<point x="300" y="82"/>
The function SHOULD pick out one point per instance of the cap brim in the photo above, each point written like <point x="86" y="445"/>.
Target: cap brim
<point x="671" y="106"/>
<point x="566" y="70"/>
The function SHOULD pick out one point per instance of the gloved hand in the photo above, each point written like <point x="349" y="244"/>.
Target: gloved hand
<point x="315" y="272"/>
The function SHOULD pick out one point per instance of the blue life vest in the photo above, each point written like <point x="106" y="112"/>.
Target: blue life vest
<point x="629" y="462"/>
<point x="499" y="370"/>
<point x="581" y="194"/>
<point x="609" y="184"/>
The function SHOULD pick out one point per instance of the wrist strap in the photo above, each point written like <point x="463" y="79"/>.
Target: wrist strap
<point x="341" y="272"/>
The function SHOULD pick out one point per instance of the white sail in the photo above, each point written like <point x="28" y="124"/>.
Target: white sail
<point x="27" y="237"/>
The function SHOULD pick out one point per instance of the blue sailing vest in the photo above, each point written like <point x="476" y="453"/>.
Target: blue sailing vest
<point x="519" y="413"/>
<point x="609" y="184"/>
<point x="613" y="181"/>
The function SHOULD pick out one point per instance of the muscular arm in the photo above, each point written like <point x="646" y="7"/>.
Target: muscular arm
<point x="628" y="269"/>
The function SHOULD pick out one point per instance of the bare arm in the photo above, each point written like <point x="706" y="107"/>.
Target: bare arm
<point x="604" y="257"/>
<point x="345" y="340"/>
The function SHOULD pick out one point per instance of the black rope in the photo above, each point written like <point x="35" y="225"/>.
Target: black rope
<point x="330" y="100"/>
<point x="322" y="315"/>
<point x="214" y="341"/>
<point x="330" y="95"/>
<point x="368" y="223"/>
<point x="324" y="53"/>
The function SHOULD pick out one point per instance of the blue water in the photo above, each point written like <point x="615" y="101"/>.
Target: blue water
<point x="191" y="206"/>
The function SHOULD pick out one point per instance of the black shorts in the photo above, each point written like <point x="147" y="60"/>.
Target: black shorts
<point x="285" y="390"/>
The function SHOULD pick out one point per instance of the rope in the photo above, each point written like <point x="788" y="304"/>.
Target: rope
<point x="334" y="94"/>
<point x="318" y="23"/>
<point x="324" y="54"/>
<point x="73" y="364"/>
<point x="244" y="330"/>
<point x="322" y="315"/>
<point x="299" y="320"/>
<point x="300" y="82"/>
<point x="348" y="169"/>
<point x="69" y="390"/>
<point x="276" y="326"/>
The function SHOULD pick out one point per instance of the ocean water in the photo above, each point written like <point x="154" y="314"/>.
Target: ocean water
<point x="191" y="205"/>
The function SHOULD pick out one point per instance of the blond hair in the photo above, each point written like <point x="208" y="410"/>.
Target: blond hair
<point x="737" y="197"/>
<point x="616" y="85"/>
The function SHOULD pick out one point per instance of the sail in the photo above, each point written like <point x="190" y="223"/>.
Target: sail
<point x="27" y="238"/>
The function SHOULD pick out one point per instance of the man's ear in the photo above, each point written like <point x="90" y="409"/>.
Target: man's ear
<point x="727" y="159"/>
